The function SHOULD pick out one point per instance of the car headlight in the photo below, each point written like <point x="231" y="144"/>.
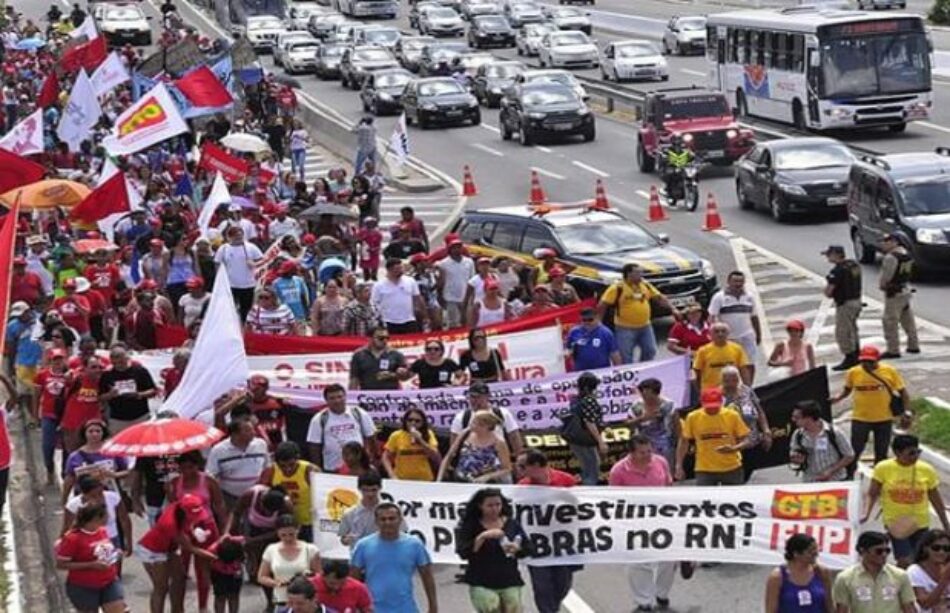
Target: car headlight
<point x="931" y="236"/>
<point x="385" y="96"/>
<point x="709" y="271"/>
<point x="839" y="113"/>
<point x="788" y="188"/>
<point x="687" y="138"/>
<point x="731" y="134"/>
<point x="428" y="106"/>
<point x="584" y="111"/>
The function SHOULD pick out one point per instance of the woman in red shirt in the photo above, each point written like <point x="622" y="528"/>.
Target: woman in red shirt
<point x="82" y="401"/>
<point x="50" y="386"/>
<point x="690" y="333"/>
<point x="90" y="559"/>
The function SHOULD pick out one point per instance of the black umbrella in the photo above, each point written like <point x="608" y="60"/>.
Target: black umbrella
<point x="286" y="80"/>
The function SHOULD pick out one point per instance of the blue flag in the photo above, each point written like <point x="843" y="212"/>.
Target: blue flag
<point x="141" y="84"/>
<point x="185" y="187"/>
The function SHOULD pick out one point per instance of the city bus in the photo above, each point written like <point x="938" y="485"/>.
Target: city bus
<point x="822" y="69"/>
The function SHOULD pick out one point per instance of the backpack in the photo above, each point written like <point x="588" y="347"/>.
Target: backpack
<point x="833" y="439"/>
<point x="324" y="417"/>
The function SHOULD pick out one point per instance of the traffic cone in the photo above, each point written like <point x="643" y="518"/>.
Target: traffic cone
<point x="600" y="197"/>
<point x="537" y="194"/>
<point x="468" y="183"/>
<point x="656" y="212"/>
<point x="713" y="220"/>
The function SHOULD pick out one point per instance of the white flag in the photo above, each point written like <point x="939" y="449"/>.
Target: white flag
<point x="218" y="361"/>
<point x="107" y="225"/>
<point x="109" y="75"/>
<point x="399" y="142"/>
<point x="153" y="118"/>
<point x="26" y="137"/>
<point x="87" y="28"/>
<point x="218" y="195"/>
<point x="82" y="112"/>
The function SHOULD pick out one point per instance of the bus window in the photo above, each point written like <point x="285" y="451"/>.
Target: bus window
<point x="765" y="41"/>
<point x="733" y="42"/>
<point x="744" y="55"/>
<point x="778" y="55"/>
<point x="796" y="61"/>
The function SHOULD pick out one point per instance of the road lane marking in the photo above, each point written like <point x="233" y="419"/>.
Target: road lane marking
<point x="697" y="73"/>
<point x="933" y="126"/>
<point x="573" y="603"/>
<point x="596" y="171"/>
<point x="548" y="173"/>
<point x="642" y="194"/>
<point x="488" y="149"/>
<point x="490" y="128"/>
<point x="542" y="149"/>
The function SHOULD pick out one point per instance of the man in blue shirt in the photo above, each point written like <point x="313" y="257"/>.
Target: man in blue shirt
<point x="24" y="346"/>
<point x="386" y="561"/>
<point x="591" y="344"/>
<point x="292" y="291"/>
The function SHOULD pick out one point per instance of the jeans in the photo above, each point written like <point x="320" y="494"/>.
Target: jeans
<point x="244" y="299"/>
<point x="298" y="158"/>
<point x="861" y="430"/>
<point x="361" y="158"/>
<point x="48" y="428"/>
<point x="629" y="339"/>
<point x="550" y="585"/>
<point x="590" y="464"/>
<point x="11" y="116"/>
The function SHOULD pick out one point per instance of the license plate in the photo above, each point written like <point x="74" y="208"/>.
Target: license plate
<point x="644" y="72"/>
<point x="838" y="201"/>
<point x="715" y="153"/>
<point x="682" y="301"/>
<point x="453" y="113"/>
<point x="562" y="126"/>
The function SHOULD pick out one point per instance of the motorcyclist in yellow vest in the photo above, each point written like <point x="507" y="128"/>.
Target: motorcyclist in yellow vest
<point x="676" y="157"/>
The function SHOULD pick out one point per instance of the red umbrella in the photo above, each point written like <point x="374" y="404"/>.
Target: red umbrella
<point x="89" y="245"/>
<point x="158" y="437"/>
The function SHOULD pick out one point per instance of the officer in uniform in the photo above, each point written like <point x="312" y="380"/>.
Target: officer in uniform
<point x="844" y="287"/>
<point x="676" y="157"/>
<point x="896" y="269"/>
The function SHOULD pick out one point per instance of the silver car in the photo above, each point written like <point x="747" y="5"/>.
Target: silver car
<point x="569" y="18"/>
<point x="300" y="56"/>
<point x="299" y="14"/>
<point x="409" y="49"/>
<point x="328" y="58"/>
<point x="522" y="13"/>
<point x="284" y="39"/>
<point x="322" y="26"/>
<point x="684" y="35"/>
<point x="384" y="36"/>
<point x="441" y="21"/>
<point x="474" y="8"/>
<point x="529" y="37"/>
<point x="624" y="60"/>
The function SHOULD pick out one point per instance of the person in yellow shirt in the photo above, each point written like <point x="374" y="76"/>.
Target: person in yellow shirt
<point x="633" y="314"/>
<point x="412" y="451"/>
<point x="720" y="435"/>
<point x="872" y="383"/>
<point x="906" y="487"/>
<point x="711" y="358"/>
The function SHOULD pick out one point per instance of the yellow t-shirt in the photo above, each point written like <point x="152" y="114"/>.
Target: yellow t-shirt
<point x="632" y="307"/>
<point x="710" y="359"/>
<point x="410" y="461"/>
<point x="297" y="486"/>
<point x="904" y="490"/>
<point x="712" y="431"/>
<point x="871" y="400"/>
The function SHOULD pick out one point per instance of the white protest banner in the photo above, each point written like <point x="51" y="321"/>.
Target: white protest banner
<point x="82" y="112"/>
<point x="620" y="525"/>
<point x="109" y="75"/>
<point x="153" y="118"/>
<point x="26" y="137"/>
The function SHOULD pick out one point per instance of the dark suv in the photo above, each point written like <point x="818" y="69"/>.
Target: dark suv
<point x="907" y="194"/>
<point x="545" y="109"/>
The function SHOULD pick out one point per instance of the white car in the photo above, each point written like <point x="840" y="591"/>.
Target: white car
<point x="123" y="23"/>
<point x="552" y="76"/>
<point x="521" y="13"/>
<point x="567" y="49"/>
<point x="284" y="39"/>
<point x="262" y="31"/>
<point x="384" y="36"/>
<point x="299" y="14"/>
<point x="343" y="31"/>
<point x="474" y="8"/>
<point x="301" y="55"/>
<point x="633" y="59"/>
<point x="685" y="35"/>
<point x="441" y="21"/>
<point x="529" y="37"/>
<point x="569" y="18"/>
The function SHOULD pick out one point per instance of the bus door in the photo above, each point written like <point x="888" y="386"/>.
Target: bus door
<point x="812" y="81"/>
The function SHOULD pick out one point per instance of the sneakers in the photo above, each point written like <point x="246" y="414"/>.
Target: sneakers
<point x="914" y="350"/>
<point x="890" y="355"/>
<point x="662" y="604"/>
<point x="687" y="569"/>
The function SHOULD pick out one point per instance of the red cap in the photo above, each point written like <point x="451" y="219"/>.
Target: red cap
<point x="795" y="324"/>
<point x="148" y="284"/>
<point x="287" y="267"/>
<point x="194" y="283"/>
<point x="556" y="271"/>
<point x="19" y="261"/>
<point x="418" y="257"/>
<point x="869" y="353"/>
<point x="491" y="284"/>
<point x="451" y="237"/>
<point x="191" y="503"/>
<point x="69" y="284"/>
<point x="93" y="235"/>
<point x="308" y="239"/>
<point x="483" y="260"/>
<point x="711" y="398"/>
<point x="454" y="241"/>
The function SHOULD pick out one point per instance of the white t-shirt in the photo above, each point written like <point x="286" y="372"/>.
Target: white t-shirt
<point x="279" y="228"/>
<point x="735" y="311"/>
<point x="112" y="503"/>
<point x="395" y="300"/>
<point x="456" y="275"/>
<point x="192" y="307"/>
<point x="510" y="425"/>
<point x="239" y="262"/>
<point x="340" y="430"/>
<point x="478" y="285"/>
<point x="283" y="569"/>
<point x="250" y="230"/>
<point x="919" y="578"/>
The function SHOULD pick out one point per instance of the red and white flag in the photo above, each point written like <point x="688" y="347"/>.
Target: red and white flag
<point x="152" y="119"/>
<point x="87" y="28"/>
<point x="26" y="137"/>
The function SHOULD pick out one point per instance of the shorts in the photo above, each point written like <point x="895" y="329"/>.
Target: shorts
<point x="747" y="342"/>
<point x="91" y="598"/>
<point x="489" y="599"/>
<point x="147" y="556"/>
<point x="25" y="375"/>
<point x="223" y="584"/>
<point x="907" y="547"/>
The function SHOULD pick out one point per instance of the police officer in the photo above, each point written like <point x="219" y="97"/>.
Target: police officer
<point x="676" y="157"/>
<point x="896" y="269"/>
<point x="844" y="287"/>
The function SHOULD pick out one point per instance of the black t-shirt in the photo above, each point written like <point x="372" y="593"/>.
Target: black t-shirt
<point x="126" y="406"/>
<point x="403" y="249"/>
<point x="489" y="370"/>
<point x="846" y="277"/>
<point x="156" y="472"/>
<point x="490" y="567"/>
<point x="364" y="367"/>
<point x="435" y="376"/>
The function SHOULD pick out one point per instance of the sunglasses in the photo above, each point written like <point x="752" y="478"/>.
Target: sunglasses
<point x="56" y="336"/>
<point x="943" y="548"/>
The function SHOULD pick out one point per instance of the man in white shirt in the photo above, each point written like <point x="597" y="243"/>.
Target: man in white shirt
<point x="736" y="307"/>
<point x="237" y="218"/>
<point x="479" y="399"/>
<point x="399" y="301"/>
<point x="335" y="426"/>
<point x="454" y="272"/>
<point x="282" y="224"/>
<point x="238" y="258"/>
<point x="238" y="461"/>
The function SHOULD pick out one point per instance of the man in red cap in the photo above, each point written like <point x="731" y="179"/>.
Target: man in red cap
<point x="73" y="308"/>
<point x="50" y="390"/>
<point x="104" y="275"/>
<point x="476" y="284"/>
<point x="562" y="292"/>
<point x="720" y="435"/>
<point x="540" y="302"/>
<point x="455" y="270"/>
<point x="25" y="286"/>
<point x="875" y="386"/>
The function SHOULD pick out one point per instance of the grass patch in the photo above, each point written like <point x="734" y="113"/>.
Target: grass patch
<point x="931" y="424"/>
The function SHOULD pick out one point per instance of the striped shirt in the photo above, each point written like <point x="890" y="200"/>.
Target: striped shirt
<point x="237" y="469"/>
<point x="819" y="452"/>
<point x="271" y="321"/>
<point x="736" y="311"/>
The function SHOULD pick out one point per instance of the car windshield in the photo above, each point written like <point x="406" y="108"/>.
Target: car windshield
<point x="392" y="79"/>
<point x="381" y="36"/>
<point x="645" y="50"/>
<point x="872" y="65"/>
<point x="372" y="55"/>
<point x="569" y="38"/>
<point x="123" y="14"/>
<point x="441" y="13"/>
<point x="568" y="13"/>
<point x="333" y="50"/>
<point x="930" y="196"/>
<point x="601" y="238"/>
<point x="445" y="52"/>
<point x="439" y="88"/>
<point x="504" y="71"/>
<point x="264" y="24"/>
<point x="539" y="29"/>
<point x="543" y="97"/>
<point x="692" y="24"/>
<point x="492" y="21"/>
<point x="415" y="44"/>
<point x="813" y="156"/>
<point x="688" y="107"/>
<point x="525" y="8"/>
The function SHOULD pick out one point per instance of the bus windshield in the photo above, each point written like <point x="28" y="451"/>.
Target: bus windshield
<point x="872" y="65"/>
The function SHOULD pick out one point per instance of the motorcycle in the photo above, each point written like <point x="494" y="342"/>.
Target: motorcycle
<point x="683" y="184"/>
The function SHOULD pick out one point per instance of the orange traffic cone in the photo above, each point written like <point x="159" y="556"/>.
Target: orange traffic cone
<point x="713" y="220"/>
<point x="600" y="197"/>
<point x="537" y="194"/>
<point x="656" y="212"/>
<point x="468" y="183"/>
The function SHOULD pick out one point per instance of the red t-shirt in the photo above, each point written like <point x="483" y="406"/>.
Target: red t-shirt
<point x="689" y="336"/>
<point x="72" y="316"/>
<point x="353" y="595"/>
<point x="97" y="303"/>
<point x="82" y="404"/>
<point x="6" y="453"/>
<point x="556" y="478"/>
<point x="104" y="279"/>
<point x="81" y="546"/>
<point x="162" y="537"/>
<point x="51" y="386"/>
<point x="26" y="287"/>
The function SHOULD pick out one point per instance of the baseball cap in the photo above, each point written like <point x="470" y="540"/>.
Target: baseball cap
<point x="491" y="284"/>
<point x="478" y="388"/>
<point x="483" y="260"/>
<point x="287" y="267"/>
<point x="418" y="257"/>
<point x="795" y="324"/>
<point x="36" y="239"/>
<point x="544" y="252"/>
<point x="308" y="239"/>
<point x="194" y="283"/>
<point x="19" y="308"/>
<point x="454" y="241"/>
<point x="147" y="284"/>
<point x="869" y="353"/>
<point x="191" y="503"/>
<point x="833" y="249"/>
<point x="711" y="398"/>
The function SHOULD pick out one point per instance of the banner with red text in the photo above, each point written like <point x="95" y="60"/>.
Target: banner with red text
<point x="620" y="525"/>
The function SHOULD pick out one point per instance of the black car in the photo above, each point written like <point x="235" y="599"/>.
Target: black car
<point x="436" y="59"/>
<point x="409" y="49"/>
<point x="492" y="80"/>
<point x="439" y="100"/>
<point x="546" y="109"/>
<point x="382" y="90"/>
<point x="490" y="31"/>
<point x="907" y="194"/>
<point x="794" y="175"/>
<point x="357" y="62"/>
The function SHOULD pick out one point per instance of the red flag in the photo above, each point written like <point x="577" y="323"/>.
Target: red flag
<point x="8" y="226"/>
<point x="50" y="90"/>
<point x="87" y="55"/>
<point x="215" y="159"/>
<point x="110" y="197"/>
<point x="203" y="88"/>
<point x="17" y="171"/>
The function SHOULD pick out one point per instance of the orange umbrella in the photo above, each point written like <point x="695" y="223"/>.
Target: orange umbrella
<point x="47" y="194"/>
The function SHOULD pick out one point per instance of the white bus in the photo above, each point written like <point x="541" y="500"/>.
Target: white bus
<point x="822" y="68"/>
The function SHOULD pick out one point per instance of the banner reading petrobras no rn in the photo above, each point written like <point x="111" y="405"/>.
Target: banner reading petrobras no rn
<point x="531" y="354"/>
<point x="612" y="525"/>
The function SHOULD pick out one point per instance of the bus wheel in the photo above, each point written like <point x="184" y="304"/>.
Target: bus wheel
<point x="798" y="116"/>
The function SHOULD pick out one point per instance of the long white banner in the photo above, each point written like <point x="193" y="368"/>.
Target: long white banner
<point x="613" y="525"/>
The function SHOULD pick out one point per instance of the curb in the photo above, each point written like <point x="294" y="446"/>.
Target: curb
<point x="14" y="603"/>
